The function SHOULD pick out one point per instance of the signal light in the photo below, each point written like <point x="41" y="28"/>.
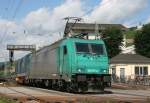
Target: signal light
<point x="11" y="56"/>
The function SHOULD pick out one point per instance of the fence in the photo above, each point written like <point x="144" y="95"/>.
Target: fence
<point x="136" y="80"/>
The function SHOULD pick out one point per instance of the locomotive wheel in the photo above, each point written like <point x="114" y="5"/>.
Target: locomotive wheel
<point x="68" y="87"/>
<point x="99" y="85"/>
<point x="46" y="83"/>
<point x="72" y="87"/>
<point x="61" y="85"/>
<point x="55" y="84"/>
<point x="83" y="86"/>
<point x="102" y="87"/>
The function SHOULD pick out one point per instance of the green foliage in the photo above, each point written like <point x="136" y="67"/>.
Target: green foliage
<point x="1" y="73"/>
<point x="113" y="41"/>
<point x="142" y="41"/>
<point x="130" y="34"/>
<point x="6" y="100"/>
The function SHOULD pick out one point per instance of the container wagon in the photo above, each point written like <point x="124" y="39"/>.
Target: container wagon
<point x="70" y="64"/>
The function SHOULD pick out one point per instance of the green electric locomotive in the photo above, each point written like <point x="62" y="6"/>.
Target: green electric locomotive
<point x="70" y="64"/>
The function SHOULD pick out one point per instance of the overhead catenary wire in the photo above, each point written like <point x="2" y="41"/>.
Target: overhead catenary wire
<point x="17" y="8"/>
<point x="5" y="15"/>
<point x="13" y="17"/>
<point x="89" y="11"/>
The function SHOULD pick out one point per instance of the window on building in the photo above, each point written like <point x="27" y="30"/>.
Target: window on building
<point x="141" y="71"/>
<point x="113" y="71"/>
<point x="136" y="70"/>
<point x="145" y="70"/>
<point x="122" y="72"/>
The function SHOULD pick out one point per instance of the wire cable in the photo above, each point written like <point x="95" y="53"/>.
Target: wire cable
<point x="13" y="17"/>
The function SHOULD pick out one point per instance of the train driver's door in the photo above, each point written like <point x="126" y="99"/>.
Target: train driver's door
<point x="63" y="59"/>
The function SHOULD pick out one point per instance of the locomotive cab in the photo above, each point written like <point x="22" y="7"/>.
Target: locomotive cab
<point x="86" y="62"/>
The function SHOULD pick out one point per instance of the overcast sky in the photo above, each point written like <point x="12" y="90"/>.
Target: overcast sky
<point x="41" y="22"/>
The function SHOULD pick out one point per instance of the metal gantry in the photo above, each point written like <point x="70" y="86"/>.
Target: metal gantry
<point x="13" y="48"/>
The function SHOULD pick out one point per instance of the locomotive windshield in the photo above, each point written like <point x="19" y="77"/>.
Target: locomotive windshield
<point x="82" y="48"/>
<point x="97" y="49"/>
<point x="89" y="48"/>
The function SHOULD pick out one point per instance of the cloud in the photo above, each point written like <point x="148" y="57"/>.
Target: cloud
<point x="40" y="27"/>
<point x="44" y="23"/>
<point x="52" y="21"/>
<point x="44" y="26"/>
<point x="116" y="11"/>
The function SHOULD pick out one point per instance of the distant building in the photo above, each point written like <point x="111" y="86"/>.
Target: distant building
<point x="89" y="28"/>
<point x="128" y="50"/>
<point x="128" y="66"/>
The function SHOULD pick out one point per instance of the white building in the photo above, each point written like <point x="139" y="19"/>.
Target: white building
<point x="128" y="66"/>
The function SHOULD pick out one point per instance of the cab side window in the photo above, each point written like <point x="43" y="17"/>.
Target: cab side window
<point x="65" y="50"/>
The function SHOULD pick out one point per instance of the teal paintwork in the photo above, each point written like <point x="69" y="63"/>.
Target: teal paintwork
<point x="81" y="63"/>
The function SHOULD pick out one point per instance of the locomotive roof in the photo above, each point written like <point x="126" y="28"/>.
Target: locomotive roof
<point x="57" y="42"/>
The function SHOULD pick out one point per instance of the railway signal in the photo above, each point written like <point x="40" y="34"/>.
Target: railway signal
<point x="11" y="57"/>
<point x="13" y="48"/>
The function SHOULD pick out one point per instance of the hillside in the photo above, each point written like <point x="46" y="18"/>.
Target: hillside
<point x="130" y="34"/>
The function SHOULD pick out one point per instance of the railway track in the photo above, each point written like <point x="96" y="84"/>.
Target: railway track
<point x="28" y="97"/>
<point x="141" y="93"/>
<point x="95" y="93"/>
<point x="36" y="97"/>
<point x="39" y="95"/>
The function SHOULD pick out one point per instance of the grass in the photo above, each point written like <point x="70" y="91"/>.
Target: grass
<point x="6" y="100"/>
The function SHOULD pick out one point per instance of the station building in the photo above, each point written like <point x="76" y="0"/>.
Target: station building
<point x="124" y="67"/>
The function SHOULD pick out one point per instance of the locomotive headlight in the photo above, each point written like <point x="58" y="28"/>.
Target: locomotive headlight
<point x="79" y="70"/>
<point x="104" y="71"/>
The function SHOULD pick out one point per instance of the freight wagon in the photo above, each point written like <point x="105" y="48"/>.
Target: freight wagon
<point x="70" y="64"/>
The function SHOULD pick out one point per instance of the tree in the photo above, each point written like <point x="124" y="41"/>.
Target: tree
<point x="142" y="41"/>
<point x="113" y="38"/>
